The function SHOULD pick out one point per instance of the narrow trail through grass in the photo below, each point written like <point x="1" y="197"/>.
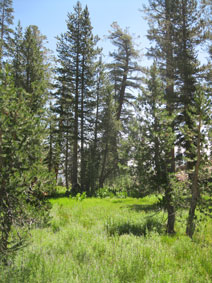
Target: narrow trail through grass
<point x="111" y="240"/>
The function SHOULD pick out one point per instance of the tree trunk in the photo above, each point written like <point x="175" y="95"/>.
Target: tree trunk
<point x="170" y="100"/>
<point x="50" y="147"/>
<point x="76" y="115"/>
<point x="122" y="92"/>
<point x="194" y="188"/>
<point x="82" y="129"/>
<point x="171" y="212"/>
<point x="101" y="179"/>
<point x="66" y="164"/>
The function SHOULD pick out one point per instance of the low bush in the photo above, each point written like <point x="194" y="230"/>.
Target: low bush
<point x="142" y="227"/>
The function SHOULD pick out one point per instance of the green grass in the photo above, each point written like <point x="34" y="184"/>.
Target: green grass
<point x="111" y="240"/>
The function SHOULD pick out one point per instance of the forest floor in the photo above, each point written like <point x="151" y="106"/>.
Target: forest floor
<point x="112" y="240"/>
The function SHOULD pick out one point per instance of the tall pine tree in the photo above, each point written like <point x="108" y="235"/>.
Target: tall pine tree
<point x="76" y="53"/>
<point x="6" y="21"/>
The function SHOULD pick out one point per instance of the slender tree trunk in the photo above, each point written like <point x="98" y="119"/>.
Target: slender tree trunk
<point x="76" y="114"/>
<point x="50" y="148"/>
<point x="194" y="189"/>
<point x="66" y="164"/>
<point x="94" y="157"/>
<point x="170" y="100"/>
<point x="97" y="115"/>
<point x="82" y="129"/>
<point x="171" y="211"/>
<point x="101" y="179"/>
<point x="122" y="92"/>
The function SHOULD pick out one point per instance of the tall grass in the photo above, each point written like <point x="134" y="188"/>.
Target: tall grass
<point x="111" y="240"/>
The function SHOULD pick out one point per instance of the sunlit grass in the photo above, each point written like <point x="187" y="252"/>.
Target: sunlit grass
<point x="112" y="240"/>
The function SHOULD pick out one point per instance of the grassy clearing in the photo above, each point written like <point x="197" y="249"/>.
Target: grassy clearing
<point x="111" y="240"/>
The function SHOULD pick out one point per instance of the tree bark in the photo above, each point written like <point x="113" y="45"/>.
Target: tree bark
<point x="101" y="179"/>
<point x="76" y="116"/>
<point x="170" y="100"/>
<point x="82" y="129"/>
<point x="194" y="188"/>
<point x="66" y="164"/>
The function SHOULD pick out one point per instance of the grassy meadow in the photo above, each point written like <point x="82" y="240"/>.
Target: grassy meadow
<point x="112" y="240"/>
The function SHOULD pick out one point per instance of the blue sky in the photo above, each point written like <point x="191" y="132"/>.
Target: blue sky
<point x="50" y="16"/>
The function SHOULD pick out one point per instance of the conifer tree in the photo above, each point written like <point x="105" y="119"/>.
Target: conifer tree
<point x="176" y="30"/>
<point x="87" y="97"/>
<point x="161" y="16"/>
<point x="110" y="127"/>
<point x="6" y="21"/>
<point x="23" y="178"/>
<point x="124" y="73"/>
<point x="76" y="52"/>
<point x="93" y="152"/>
<point x="201" y="114"/>
<point x="35" y="74"/>
<point x="124" y="68"/>
<point x="188" y="33"/>
<point x="17" y="56"/>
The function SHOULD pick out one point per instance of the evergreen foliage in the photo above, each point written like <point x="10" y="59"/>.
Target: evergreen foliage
<point x="6" y="21"/>
<point x="24" y="178"/>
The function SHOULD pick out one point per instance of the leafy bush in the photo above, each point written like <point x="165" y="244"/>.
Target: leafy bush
<point x="80" y="197"/>
<point x="105" y="192"/>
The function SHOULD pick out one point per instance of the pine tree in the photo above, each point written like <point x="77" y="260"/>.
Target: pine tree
<point x="23" y="178"/>
<point x="87" y="100"/>
<point x="35" y="74"/>
<point x="124" y="68"/>
<point x="161" y="16"/>
<point x="76" y="52"/>
<point x="30" y="67"/>
<point x="17" y="56"/>
<point x="176" y="30"/>
<point x="110" y="127"/>
<point x="187" y="35"/>
<point x="152" y="136"/>
<point x="53" y="142"/>
<point x="94" y="132"/>
<point x="6" y="21"/>
<point x="200" y="130"/>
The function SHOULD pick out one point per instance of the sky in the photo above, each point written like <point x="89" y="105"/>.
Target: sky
<point x="50" y="17"/>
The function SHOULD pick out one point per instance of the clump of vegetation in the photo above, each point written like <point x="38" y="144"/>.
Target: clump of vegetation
<point x="111" y="192"/>
<point x="143" y="227"/>
<point x="80" y="197"/>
